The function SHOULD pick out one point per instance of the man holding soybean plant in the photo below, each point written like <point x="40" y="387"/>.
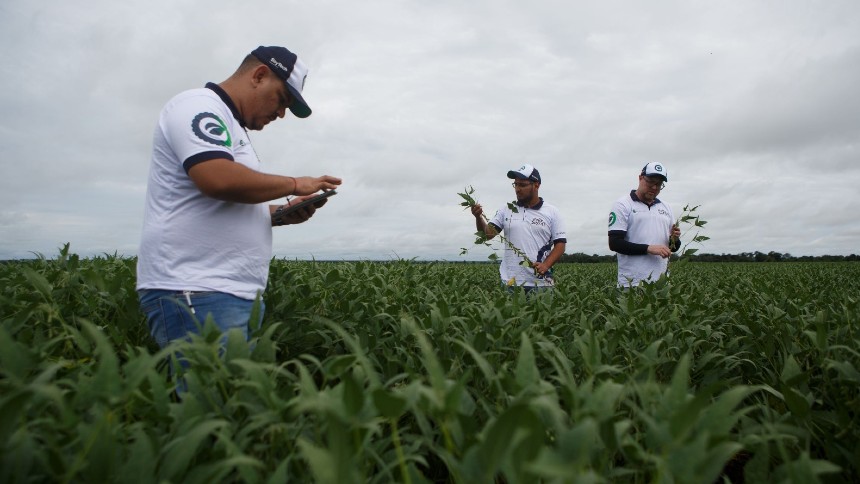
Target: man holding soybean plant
<point x="642" y="229"/>
<point x="207" y="231"/>
<point x="534" y="233"/>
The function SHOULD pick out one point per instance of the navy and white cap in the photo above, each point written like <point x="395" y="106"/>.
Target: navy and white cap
<point x="525" y="172"/>
<point x="655" y="169"/>
<point x="291" y="70"/>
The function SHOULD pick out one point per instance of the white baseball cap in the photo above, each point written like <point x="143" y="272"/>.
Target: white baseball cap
<point x="655" y="168"/>
<point x="525" y="172"/>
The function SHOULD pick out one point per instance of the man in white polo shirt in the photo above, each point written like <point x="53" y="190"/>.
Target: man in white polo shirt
<point x="535" y="228"/>
<point x="207" y="228"/>
<point x="641" y="228"/>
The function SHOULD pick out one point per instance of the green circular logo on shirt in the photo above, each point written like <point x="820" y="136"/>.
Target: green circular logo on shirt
<point x="612" y="218"/>
<point x="211" y="129"/>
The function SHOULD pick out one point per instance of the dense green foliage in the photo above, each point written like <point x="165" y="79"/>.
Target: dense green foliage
<point x="411" y="372"/>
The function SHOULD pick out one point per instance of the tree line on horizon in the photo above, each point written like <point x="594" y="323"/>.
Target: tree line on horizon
<point x="756" y="256"/>
<point x="583" y="258"/>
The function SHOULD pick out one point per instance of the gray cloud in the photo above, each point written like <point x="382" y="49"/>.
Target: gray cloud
<point x="750" y="105"/>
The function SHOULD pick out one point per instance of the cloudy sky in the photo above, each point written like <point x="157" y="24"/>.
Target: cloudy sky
<point x="752" y="106"/>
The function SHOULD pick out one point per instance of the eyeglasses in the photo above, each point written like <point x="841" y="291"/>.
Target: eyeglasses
<point x="521" y="184"/>
<point x="658" y="184"/>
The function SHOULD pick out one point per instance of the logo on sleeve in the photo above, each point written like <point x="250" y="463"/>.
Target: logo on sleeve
<point x="211" y="129"/>
<point x="612" y="218"/>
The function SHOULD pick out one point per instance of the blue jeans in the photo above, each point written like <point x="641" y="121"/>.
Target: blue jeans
<point x="170" y="316"/>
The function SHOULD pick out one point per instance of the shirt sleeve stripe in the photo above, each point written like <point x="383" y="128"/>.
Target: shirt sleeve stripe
<point x="205" y="156"/>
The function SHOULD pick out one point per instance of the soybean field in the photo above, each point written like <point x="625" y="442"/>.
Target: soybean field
<point x="415" y="372"/>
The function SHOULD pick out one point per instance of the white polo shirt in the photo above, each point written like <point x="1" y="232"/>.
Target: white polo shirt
<point x="191" y="241"/>
<point x="644" y="225"/>
<point x="534" y="231"/>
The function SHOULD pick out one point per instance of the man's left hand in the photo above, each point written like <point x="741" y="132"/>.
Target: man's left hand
<point x="303" y="214"/>
<point x="541" y="267"/>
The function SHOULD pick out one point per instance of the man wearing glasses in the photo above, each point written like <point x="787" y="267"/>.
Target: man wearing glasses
<point x="640" y="229"/>
<point x="535" y="229"/>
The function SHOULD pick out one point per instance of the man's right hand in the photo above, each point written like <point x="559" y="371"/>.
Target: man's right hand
<point x="227" y="180"/>
<point x="306" y="185"/>
<point x="477" y="210"/>
<point x="660" y="250"/>
<point x="482" y="224"/>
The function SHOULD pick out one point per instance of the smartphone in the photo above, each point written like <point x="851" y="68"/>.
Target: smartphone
<point x="309" y="201"/>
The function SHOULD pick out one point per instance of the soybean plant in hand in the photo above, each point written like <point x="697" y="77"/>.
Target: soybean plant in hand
<point x="482" y="239"/>
<point x="694" y="224"/>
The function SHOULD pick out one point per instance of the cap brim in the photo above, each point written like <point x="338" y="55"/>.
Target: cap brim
<point x="299" y="107"/>
<point x="515" y="174"/>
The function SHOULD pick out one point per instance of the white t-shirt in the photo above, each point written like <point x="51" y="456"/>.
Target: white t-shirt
<point x="534" y="231"/>
<point x="191" y="241"/>
<point x="644" y="225"/>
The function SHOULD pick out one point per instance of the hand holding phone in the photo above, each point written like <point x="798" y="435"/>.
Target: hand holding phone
<point x="308" y="201"/>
